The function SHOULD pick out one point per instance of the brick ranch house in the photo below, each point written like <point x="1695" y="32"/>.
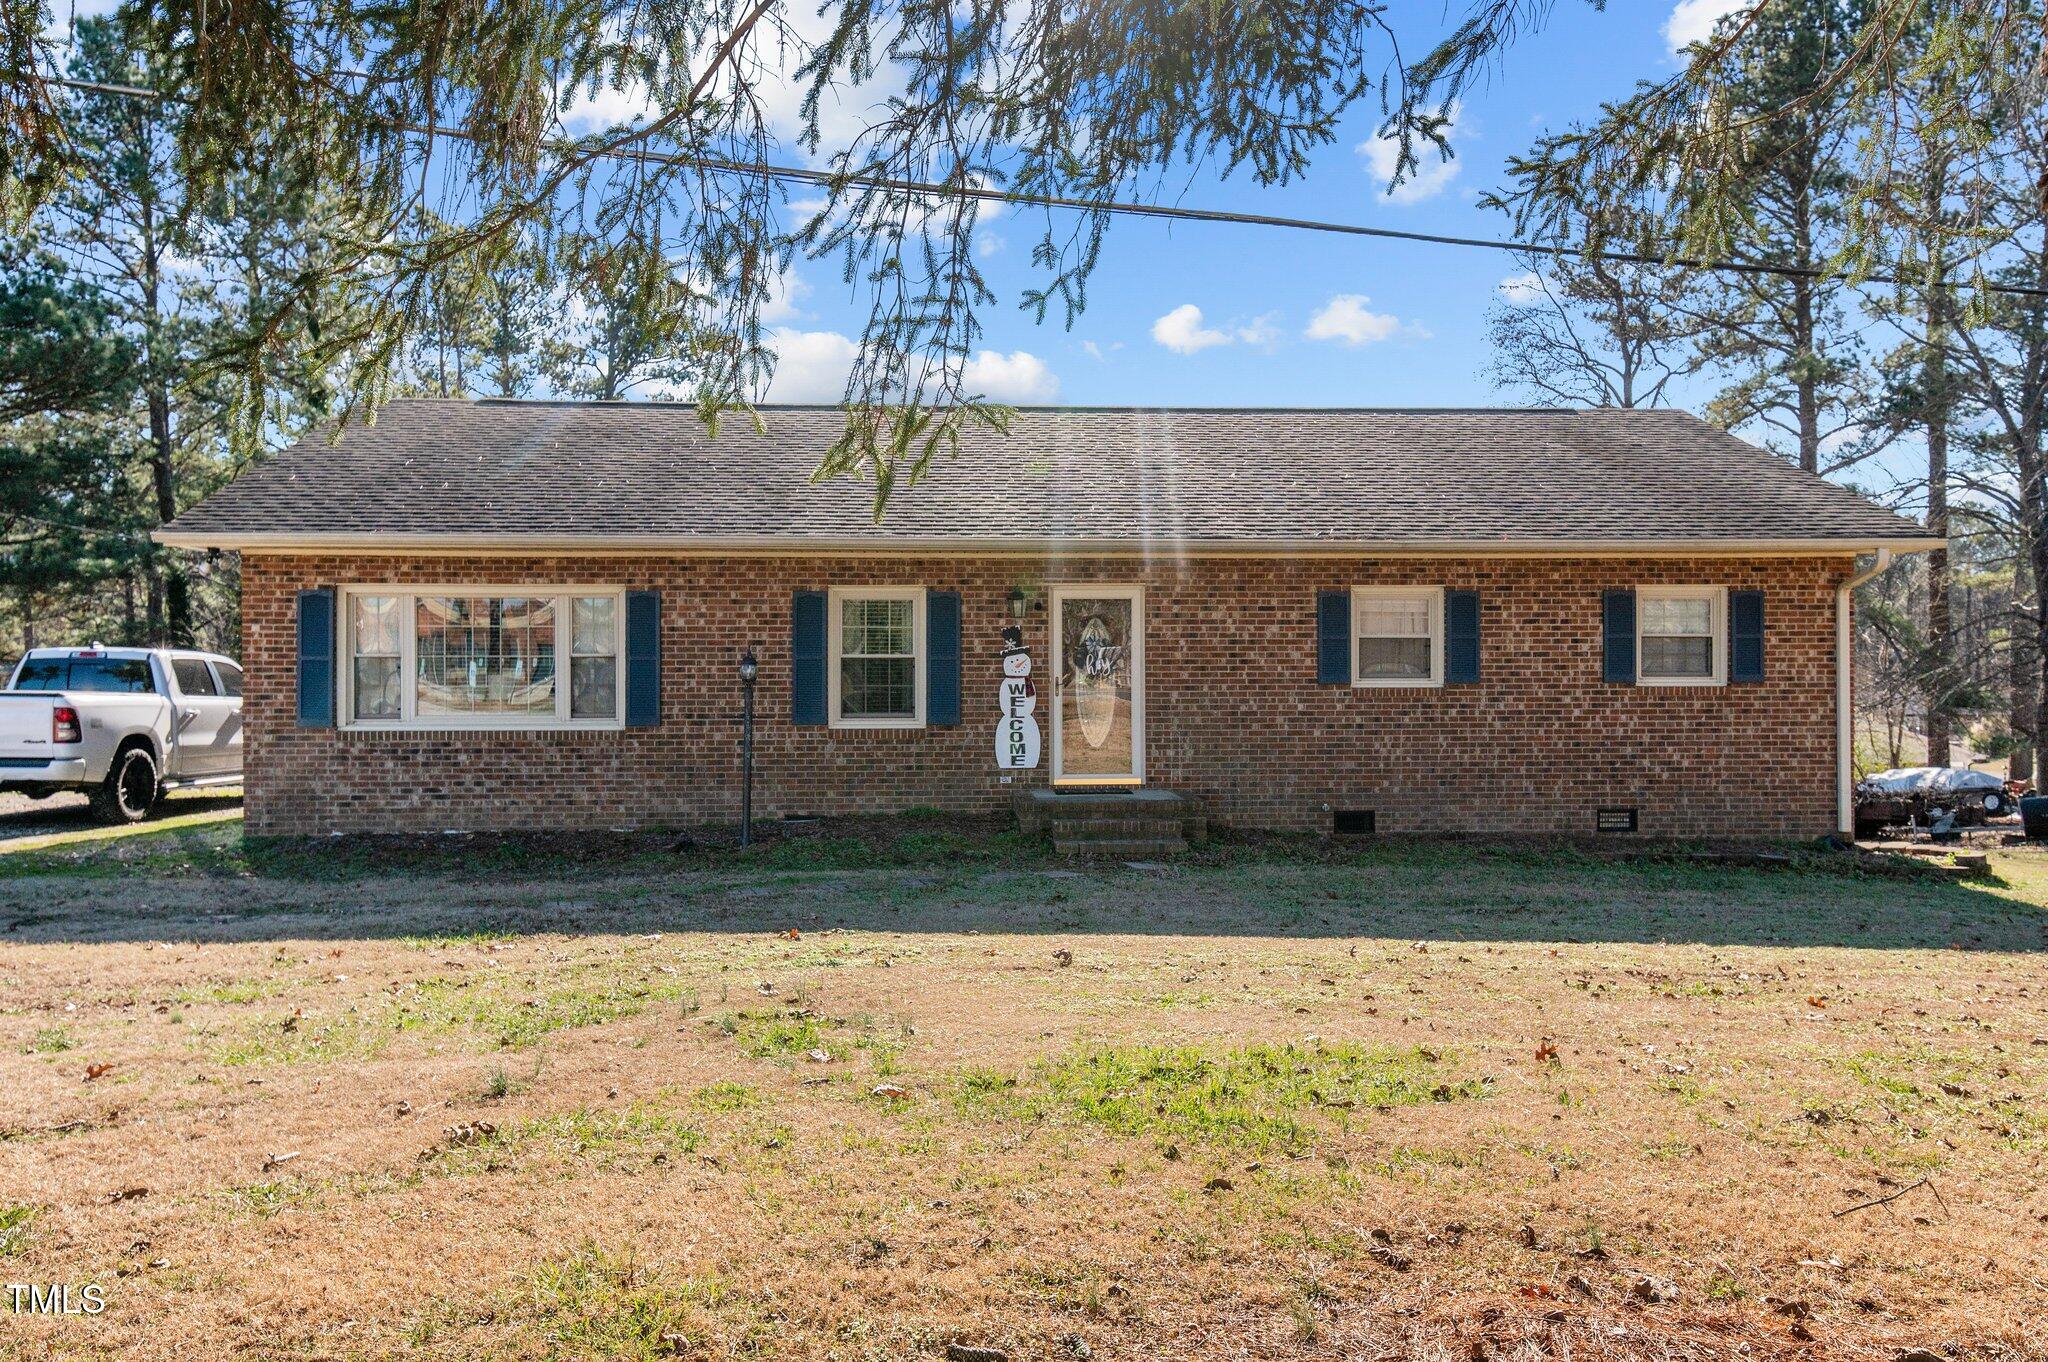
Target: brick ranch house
<point x="527" y="615"/>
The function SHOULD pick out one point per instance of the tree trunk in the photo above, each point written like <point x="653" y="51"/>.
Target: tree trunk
<point x="1934" y="396"/>
<point x="170" y="596"/>
<point x="1806" y="379"/>
<point x="1940" y="636"/>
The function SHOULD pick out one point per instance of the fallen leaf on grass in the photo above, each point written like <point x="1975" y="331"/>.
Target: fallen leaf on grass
<point x="96" y="1071"/>
<point x="893" y="1091"/>
<point x="271" y="1161"/>
<point x="818" y="1056"/>
<point x="1063" y="957"/>
<point x="1582" y="1286"/>
<point x="1816" y="1001"/>
<point x="792" y="934"/>
<point x="128" y="1194"/>
<point x="1219" y="1185"/>
<point x="1546" y="1051"/>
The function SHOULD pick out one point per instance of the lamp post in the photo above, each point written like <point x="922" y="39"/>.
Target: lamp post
<point x="750" y="668"/>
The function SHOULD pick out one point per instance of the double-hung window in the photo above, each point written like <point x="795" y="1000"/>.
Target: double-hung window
<point x="1681" y="635"/>
<point x="877" y="671"/>
<point x="1398" y="634"/>
<point x="465" y="657"/>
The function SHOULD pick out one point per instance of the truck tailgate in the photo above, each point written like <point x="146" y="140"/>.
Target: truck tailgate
<point x="25" y="724"/>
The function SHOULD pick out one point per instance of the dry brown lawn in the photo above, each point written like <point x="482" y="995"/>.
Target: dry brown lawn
<point x="824" y="1103"/>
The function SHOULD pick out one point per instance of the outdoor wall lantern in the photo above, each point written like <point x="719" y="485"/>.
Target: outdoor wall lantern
<point x="750" y="670"/>
<point x="1020" y="604"/>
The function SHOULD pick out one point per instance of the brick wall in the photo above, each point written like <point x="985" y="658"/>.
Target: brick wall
<point x="1233" y="711"/>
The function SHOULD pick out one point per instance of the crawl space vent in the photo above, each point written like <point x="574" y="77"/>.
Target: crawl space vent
<point x="1352" y="822"/>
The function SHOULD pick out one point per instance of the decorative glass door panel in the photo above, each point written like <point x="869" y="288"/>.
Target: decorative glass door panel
<point x="1098" y="684"/>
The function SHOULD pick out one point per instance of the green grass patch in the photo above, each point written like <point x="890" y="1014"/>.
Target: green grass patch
<point x="302" y="1041"/>
<point x="726" y="1095"/>
<point x="51" y="1040"/>
<point x="603" y="1134"/>
<point x="510" y="1018"/>
<point x="448" y="941"/>
<point x="596" y="1303"/>
<point x="266" y="1199"/>
<point x="793" y="1033"/>
<point x="1258" y="1096"/>
<point x="15" y="1223"/>
<point x="235" y="992"/>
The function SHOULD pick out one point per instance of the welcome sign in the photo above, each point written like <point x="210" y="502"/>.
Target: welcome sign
<point x="1017" y="736"/>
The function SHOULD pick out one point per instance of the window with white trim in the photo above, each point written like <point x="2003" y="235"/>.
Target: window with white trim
<point x="1681" y="635"/>
<point x="468" y="657"/>
<point x="877" y="663"/>
<point x="1397" y="636"/>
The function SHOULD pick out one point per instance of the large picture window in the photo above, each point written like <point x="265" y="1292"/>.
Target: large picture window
<point x="1398" y="633"/>
<point x="474" y="658"/>
<point x="1681" y="635"/>
<point x="877" y="663"/>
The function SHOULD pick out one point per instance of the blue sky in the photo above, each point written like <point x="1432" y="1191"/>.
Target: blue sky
<point x="1288" y="317"/>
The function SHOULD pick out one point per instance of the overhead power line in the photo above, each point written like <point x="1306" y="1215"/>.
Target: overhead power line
<point x="828" y="179"/>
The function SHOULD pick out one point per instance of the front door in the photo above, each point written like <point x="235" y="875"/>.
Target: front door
<point x="1098" y="669"/>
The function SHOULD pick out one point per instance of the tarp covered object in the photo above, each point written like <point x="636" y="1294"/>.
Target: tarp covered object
<point x="1929" y="780"/>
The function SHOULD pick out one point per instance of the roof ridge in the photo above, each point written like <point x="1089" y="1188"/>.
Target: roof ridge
<point x="1225" y="410"/>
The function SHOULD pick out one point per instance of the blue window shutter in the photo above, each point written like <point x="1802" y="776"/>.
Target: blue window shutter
<point x="643" y="659"/>
<point x="1333" y="638"/>
<point x="1746" y="636"/>
<point x="1618" y="629"/>
<point x="1461" y="638"/>
<point x="807" y="655"/>
<point x="942" y="658"/>
<point x="316" y="658"/>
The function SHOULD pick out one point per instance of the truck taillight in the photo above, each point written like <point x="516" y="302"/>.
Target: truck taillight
<point x="64" y="724"/>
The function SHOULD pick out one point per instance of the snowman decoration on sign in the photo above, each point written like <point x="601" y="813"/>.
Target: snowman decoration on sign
<point x="1017" y="737"/>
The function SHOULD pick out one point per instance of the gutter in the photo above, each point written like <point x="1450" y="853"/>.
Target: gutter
<point x="1845" y="736"/>
<point x="1022" y="546"/>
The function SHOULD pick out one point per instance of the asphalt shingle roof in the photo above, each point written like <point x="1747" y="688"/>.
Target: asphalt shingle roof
<point x="481" y="474"/>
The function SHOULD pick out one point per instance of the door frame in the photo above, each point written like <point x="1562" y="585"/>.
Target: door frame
<point x="1057" y="593"/>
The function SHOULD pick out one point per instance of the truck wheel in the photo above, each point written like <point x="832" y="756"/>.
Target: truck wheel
<point x="129" y="793"/>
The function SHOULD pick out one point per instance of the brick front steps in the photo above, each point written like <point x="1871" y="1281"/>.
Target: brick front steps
<point x="1127" y="824"/>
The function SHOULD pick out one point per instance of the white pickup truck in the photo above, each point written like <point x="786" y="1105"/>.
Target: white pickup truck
<point x="121" y="724"/>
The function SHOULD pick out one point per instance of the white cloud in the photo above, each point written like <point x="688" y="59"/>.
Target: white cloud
<point x="1431" y="174"/>
<point x="1521" y="288"/>
<point x="783" y="296"/>
<point x="66" y="12"/>
<point x="1182" y="332"/>
<point x="1260" y="331"/>
<point x="593" y="111"/>
<point x="810" y="366"/>
<point x="769" y="67"/>
<point x="987" y="244"/>
<point x="1692" y="21"/>
<point x="1346" y="318"/>
<point x="1016" y="377"/>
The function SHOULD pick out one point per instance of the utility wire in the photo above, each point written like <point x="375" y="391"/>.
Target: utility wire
<point x="828" y="179"/>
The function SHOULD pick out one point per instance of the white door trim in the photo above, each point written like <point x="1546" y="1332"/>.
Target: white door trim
<point x="1056" y="595"/>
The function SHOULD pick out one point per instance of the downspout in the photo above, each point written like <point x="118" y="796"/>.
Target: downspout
<point x="1845" y="737"/>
